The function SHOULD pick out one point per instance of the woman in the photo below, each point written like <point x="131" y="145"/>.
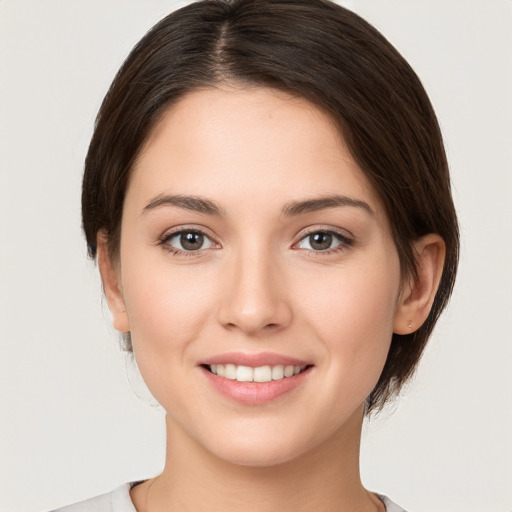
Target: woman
<point x="268" y="199"/>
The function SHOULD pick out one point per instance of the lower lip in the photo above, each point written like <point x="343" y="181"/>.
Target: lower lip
<point x="255" y="393"/>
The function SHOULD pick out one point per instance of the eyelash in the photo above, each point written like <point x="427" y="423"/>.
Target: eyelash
<point x="345" y="242"/>
<point x="167" y="237"/>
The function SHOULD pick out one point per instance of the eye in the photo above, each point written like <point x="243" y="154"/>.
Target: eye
<point x="187" y="241"/>
<point x="323" y="241"/>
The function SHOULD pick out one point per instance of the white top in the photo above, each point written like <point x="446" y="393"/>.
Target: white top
<point x="119" y="501"/>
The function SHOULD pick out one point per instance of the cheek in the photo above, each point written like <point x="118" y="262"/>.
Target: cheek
<point x="359" y="298"/>
<point x="167" y="311"/>
<point x="164" y="310"/>
<point x="352" y="312"/>
<point x="165" y="302"/>
<point x="169" y="308"/>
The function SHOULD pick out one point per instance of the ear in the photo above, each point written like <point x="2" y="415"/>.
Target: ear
<point x="111" y="279"/>
<point x="418" y="292"/>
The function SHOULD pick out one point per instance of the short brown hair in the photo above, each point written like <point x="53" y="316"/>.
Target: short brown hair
<point x="319" y="51"/>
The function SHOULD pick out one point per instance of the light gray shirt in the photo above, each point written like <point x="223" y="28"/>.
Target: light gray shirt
<point x="119" y="501"/>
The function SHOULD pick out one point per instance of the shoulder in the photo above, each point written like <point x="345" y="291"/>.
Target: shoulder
<point x="117" y="500"/>
<point x="390" y="506"/>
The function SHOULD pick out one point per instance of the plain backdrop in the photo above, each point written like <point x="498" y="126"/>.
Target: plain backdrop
<point x="71" y="423"/>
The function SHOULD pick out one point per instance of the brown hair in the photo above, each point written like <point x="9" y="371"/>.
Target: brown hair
<point x="314" y="49"/>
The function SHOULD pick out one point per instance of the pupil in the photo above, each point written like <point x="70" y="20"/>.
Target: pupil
<point x="191" y="241"/>
<point x="320" y="241"/>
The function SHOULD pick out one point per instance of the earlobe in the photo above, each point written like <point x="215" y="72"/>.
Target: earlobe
<point x="112" y="286"/>
<point x="419" y="292"/>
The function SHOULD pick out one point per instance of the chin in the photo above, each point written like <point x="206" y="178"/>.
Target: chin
<point x="265" y="448"/>
<point x="256" y="456"/>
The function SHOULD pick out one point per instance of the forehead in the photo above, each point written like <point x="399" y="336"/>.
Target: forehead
<point x="246" y="143"/>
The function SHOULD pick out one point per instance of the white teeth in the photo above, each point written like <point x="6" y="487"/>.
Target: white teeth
<point x="262" y="374"/>
<point x="230" y="371"/>
<point x="244" y="374"/>
<point x="278" y="372"/>
<point x="288" y="371"/>
<point x="259" y="374"/>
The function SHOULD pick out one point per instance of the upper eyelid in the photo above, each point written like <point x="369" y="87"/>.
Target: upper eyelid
<point x="169" y="233"/>
<point x="344" y="233"/>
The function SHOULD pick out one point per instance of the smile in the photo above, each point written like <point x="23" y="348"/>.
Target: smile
<point x="255" y="379"/>
<point x="264" y="373"/>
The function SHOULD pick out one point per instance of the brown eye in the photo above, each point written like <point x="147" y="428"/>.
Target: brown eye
<point x="320" y="241"/>
<point x="323" y="241"/>
<point x="189" y="241"/>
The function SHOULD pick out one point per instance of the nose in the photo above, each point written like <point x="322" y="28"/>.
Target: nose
<point x="254" y="299"/>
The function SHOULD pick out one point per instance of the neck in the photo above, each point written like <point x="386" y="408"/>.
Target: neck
<point x="193" y="479"/>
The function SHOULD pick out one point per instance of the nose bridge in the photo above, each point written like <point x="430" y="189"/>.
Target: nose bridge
<point x="255" y="298"/>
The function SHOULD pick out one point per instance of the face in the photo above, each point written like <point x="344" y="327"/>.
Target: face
<point x="257" y="275"/>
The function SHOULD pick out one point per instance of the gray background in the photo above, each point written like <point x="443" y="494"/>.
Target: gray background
<point x="71" y="426"/>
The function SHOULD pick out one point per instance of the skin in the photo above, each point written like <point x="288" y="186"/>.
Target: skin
<point x="258" y="285"/>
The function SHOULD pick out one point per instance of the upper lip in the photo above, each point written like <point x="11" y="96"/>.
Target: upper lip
<point x="254" y="360"/>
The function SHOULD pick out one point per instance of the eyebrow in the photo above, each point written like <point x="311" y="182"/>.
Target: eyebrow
<point x="193" y="203"/>
<point x="321" y="203"/>
<point x="291" y="209"/>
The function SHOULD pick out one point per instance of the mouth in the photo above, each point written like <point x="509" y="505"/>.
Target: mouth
<point x="257" y="378"/>
<point x="265" y="373"/>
